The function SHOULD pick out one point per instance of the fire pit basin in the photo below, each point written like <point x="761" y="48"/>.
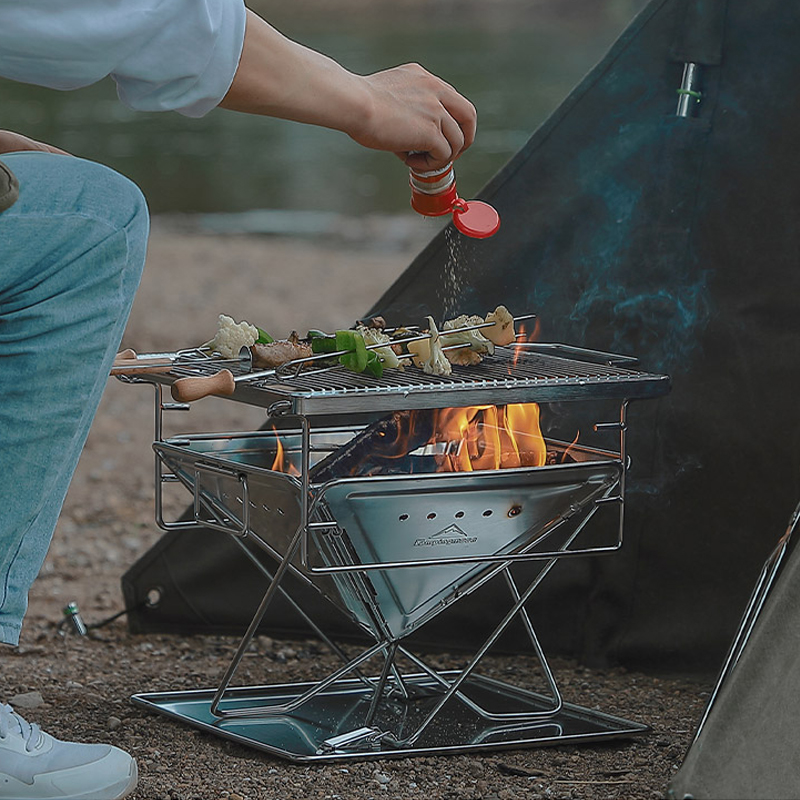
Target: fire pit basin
<point x="456" y="525"/>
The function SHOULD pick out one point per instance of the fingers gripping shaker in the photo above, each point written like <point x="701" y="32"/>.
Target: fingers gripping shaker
<point x="433" y="194"/>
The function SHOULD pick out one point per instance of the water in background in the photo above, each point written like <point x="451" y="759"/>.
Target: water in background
<point x="516" y="62"/>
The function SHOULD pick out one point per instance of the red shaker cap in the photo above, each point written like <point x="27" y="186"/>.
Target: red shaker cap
<point x="475" y="218"/>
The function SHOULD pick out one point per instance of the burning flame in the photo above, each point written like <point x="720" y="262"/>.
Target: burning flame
<point x="490" y="437"/>
<point x="485" y="437"/>
<point x="280" y="464"/>
<point x="523" y="336"/>
<point x="566" y="452"/>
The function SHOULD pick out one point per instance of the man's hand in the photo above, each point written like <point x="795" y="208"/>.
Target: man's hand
<point x="10" y="142"/>
<point x="404" y="110"/>
<point x="418" y="116"/>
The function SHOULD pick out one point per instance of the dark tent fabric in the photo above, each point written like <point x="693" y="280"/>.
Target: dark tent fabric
<point x="745" y="747"/>
<point x="630" y="229"/>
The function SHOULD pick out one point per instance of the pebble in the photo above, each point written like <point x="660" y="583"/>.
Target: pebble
<point x="114" y="723"/>
<point x="27" y="700"/>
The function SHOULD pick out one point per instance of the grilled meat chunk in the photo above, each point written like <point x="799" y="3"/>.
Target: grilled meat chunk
<point x="274" y="354"/>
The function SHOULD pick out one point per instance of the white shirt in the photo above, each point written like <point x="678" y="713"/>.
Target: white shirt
<point x="163" y="55"/>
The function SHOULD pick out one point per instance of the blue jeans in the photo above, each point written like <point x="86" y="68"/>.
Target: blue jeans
<point x="72" y="249"/>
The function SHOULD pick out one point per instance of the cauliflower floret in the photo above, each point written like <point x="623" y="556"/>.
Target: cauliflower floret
<point x="502" y="332"/>
<point x="478" y="343"/>
<point x="232" y="336"/>
<point x="436" y="363"/>
<point x="386" y="354"/>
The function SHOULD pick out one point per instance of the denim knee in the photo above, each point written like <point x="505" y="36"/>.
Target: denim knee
<point x="106" y="194"/>
<point x="72" y="183"/>
<point x="53" y="185"/>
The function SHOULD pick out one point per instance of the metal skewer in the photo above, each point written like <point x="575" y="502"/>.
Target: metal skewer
<point x="190" y="388"/>
<point x="129" y="362"/>
<point x="447" y="332"/>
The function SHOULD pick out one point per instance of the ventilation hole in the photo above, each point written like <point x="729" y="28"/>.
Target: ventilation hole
<point x="403" y="517"/>
<point x="514" y="511"/>
<point x="488" y="512"/>
<point x="432" y="515"/>
<point x="459" y="514"/>
<point x="280" y="511"/>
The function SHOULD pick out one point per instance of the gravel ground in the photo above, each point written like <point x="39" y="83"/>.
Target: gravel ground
<point x="79" y="688"/>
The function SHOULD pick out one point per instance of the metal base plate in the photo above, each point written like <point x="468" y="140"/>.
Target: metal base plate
<point x="330" y="726"/>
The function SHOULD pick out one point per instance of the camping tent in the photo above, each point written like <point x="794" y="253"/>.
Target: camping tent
<point x="629" y="227"/>
<point x="745" y="745"/>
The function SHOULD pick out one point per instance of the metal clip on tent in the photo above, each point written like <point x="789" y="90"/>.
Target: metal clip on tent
<point x="689" y="91"/>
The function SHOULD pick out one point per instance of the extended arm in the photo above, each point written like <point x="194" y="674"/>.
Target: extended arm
<point x="405" y="110"/>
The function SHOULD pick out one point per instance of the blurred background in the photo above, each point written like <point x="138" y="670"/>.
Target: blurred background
<point x="515" y="60"/>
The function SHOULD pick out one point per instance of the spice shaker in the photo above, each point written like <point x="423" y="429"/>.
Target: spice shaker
<point x="433" y="194"/>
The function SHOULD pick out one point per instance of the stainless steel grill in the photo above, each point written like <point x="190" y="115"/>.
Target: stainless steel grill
<point x="393" y="551"/>
<point x="522" y="374"/>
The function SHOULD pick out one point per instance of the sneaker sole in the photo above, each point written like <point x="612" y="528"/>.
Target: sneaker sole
<point x="129" y="785"/>
<point x="117" y="791"/>
<point x="114" y="791"/>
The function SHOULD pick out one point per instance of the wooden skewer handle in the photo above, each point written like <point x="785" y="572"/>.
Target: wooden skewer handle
<point x="126" y="354"/>
<point x="185" y="390"/>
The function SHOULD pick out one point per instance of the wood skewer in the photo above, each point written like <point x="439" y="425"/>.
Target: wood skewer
<point x="186" y="390"/>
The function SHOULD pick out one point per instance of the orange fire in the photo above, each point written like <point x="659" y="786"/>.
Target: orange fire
<point x="465" y="439"/>
<point x="280" y="464"/>
<point x="490" y="437"/>
<point x="566" y="452"/>
<point x="524" y="336"/>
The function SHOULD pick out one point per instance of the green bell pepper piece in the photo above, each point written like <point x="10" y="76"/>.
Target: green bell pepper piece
<point x="356" y="359"/>
<point x="374" y="364"/>
<point x="323" y="344"/>
<point x="263" y="337"/>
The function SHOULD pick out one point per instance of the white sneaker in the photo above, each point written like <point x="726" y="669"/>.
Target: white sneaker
<point x="36" y="766"/>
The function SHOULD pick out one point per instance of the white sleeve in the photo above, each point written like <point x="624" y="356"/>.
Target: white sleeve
<point x="164" y="55"/>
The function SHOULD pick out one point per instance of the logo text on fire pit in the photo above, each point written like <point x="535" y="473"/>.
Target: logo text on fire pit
<point x="451" y="535"/>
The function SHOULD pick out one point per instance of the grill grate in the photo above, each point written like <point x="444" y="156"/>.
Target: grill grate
<point x="511" y="375"/>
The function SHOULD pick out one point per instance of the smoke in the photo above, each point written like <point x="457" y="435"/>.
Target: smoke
<point x="662" y="326"/>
